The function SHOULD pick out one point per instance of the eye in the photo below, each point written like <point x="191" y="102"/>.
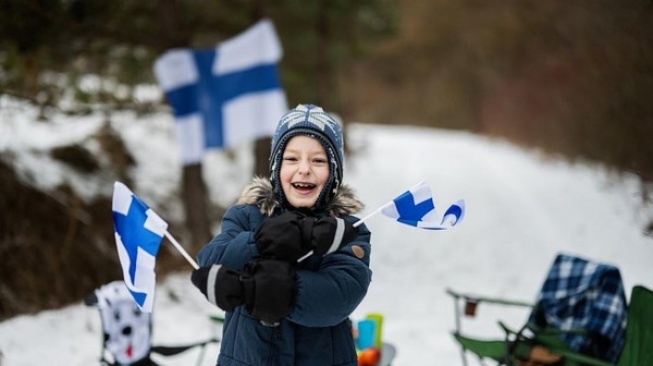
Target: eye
<point x="320" y="160"/>
<point x="289" y="158"/>
<point x="116" y="315"/>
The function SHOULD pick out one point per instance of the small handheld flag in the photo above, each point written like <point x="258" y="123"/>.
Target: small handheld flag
<point x="138" y="231"/>
<point x="416" y="207"/>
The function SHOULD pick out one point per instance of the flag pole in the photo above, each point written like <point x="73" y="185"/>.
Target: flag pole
<point x="359" y="222"/>
<point x="356" y="224"/>
<point x="181" y="250"/>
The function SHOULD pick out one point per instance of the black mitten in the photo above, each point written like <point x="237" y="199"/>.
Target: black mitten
<point x="270" y="291"/>
<point x="221" y="285"/>
<point x="330" y="233"/>
<point x="280" y="237"/>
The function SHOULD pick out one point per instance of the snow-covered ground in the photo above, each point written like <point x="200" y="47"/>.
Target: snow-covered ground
<point x="522" y="209"/>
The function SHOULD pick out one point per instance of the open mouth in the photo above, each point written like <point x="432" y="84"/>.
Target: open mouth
<point x="304" y="186"/>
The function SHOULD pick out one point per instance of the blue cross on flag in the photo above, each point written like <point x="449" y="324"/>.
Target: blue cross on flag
<point x="138" y="232"/>
<point x="225" y="95"/>
<point x="416" y="207"/>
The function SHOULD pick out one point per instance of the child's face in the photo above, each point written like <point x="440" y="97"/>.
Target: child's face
<point x="304" y="171"/>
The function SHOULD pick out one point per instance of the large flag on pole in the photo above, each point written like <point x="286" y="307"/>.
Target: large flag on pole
<point x="138" y="232"/>
<point x="225" y="95"/>
<point x="416" y="207"/>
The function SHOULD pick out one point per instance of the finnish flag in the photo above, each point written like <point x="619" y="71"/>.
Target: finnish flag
<point x="416" y="207"/>
<point x="138" y="232"/>
<point x="225" y="95"/>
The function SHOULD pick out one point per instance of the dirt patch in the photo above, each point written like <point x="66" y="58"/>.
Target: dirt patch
<point x="54" y="247"/>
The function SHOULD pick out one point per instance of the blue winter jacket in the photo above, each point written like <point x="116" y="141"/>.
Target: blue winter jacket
<point x="317" y="331"/>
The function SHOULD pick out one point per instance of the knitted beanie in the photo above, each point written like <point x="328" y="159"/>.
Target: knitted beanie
<point x="309" y="120"/>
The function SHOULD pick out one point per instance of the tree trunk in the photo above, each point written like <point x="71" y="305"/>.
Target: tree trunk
<point x="324" y="69"/>
<point x="262" y="146"/>
<point x="195" y="205"/>
<point x="261" y="155"/>
<point x="172" y="32"/>
<point x="194" y="193"/>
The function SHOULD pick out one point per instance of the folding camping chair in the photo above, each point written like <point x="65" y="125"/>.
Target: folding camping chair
<point x="639" y="336"/>
<point x="128" y="331"/>
<point x="639" y="332"/>
<point x="579" y="319"/>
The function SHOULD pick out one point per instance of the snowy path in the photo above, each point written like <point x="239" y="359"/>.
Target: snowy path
<point x="521" y="211"/>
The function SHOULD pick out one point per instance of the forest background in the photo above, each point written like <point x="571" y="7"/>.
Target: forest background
<point x="570" y="78"/>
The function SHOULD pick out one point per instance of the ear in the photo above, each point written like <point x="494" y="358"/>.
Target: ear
<point x="91" y="299"/>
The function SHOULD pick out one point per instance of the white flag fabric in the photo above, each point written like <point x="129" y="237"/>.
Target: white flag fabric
<point x="226" y="95"/>
<point x="416" y="207"/>
<point x="138" y="232"/>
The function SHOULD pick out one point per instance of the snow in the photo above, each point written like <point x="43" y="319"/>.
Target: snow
<point x="522" y="209"/>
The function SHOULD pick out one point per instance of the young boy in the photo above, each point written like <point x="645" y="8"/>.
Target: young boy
<point x="282" y="309"/>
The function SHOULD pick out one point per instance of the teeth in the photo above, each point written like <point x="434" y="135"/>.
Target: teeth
<point x="303" y="185"/>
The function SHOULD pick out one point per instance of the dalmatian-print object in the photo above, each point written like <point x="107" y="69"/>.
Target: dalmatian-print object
<point x="127" y="330"/>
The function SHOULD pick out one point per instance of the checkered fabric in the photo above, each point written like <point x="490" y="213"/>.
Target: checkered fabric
<point x="578" y="293"/>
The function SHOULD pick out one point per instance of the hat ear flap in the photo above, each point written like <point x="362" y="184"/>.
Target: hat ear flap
<point x="333" y="183"/>
<point x="275" y="180"/>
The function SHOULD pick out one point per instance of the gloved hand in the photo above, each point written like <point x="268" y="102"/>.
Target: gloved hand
<point x="221" y="285"/>
<point x="270" y="291"/>
<point x="267" y="288"/>
<point x="328" y="234"/>
<point x="280" y="237"/>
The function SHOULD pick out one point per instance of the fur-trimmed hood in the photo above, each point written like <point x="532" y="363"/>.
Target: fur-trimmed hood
<point x="259" y="192"/>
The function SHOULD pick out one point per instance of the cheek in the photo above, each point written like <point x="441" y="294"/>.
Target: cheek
<point x="322" y="176"/>
<point x="285" y="175"/>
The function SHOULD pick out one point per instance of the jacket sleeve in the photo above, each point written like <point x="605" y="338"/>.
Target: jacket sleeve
<point x="235" y="245"/>
<point x="328" y="295"/>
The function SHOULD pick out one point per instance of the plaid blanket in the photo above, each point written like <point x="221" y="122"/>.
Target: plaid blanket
<point x="577" y="294"/>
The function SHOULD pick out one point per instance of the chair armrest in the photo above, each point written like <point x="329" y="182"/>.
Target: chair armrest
<point x="174" y="350"/>
<point x="490" y="300"/>
<point x="550" y="338"/>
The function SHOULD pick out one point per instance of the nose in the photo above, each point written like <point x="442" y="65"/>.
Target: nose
<point x="304" y="167"/>
<point x="126" y="331"/>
